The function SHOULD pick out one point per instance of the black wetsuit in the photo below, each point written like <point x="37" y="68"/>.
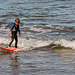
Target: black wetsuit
<point x="14" y="29"/>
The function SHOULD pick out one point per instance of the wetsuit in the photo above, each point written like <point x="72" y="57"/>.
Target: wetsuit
<point x="14" y="29"/>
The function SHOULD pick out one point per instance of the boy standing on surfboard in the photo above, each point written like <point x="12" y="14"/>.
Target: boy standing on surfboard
<point x="13" y="32"/>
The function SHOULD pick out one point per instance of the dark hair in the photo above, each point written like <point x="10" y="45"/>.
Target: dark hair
<point x="17" y="20"/>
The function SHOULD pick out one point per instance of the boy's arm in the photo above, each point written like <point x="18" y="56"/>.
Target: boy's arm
<point x="19" y="31"/>
<point x="11" y="30"/>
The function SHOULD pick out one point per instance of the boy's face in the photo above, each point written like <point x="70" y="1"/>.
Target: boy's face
<point x="17" y="22"/>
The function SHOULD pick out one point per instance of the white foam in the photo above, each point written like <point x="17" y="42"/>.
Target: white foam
<point x="4" y="40"/>
<point x="33" y="43"/>
<point x="66" y="43"/>
<point x="29" y="44"/>
<point x="25" y="44"/>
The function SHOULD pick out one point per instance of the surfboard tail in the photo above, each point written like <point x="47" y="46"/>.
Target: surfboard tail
<point x="9" y="49"/>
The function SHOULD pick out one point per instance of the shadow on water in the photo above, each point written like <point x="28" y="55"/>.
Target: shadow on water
<point x="12" y="60"/>
<point x="5" y="52"/>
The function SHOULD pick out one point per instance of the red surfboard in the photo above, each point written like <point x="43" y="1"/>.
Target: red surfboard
<point x="11" y="49"/>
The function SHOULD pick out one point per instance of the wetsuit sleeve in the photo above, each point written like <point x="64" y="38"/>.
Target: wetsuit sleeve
<point x="19" y="29"/>
<point x="12" y="28"/>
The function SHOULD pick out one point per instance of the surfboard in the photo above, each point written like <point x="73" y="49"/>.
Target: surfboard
<point x="9" y="49"/>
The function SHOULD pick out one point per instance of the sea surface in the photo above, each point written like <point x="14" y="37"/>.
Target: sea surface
<point x="47" y="45"/>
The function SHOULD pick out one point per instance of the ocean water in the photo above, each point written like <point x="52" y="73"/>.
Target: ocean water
<point x="48" y="37"/>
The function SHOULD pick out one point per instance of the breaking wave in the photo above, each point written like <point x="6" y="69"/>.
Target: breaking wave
<point x="29" y="44"/>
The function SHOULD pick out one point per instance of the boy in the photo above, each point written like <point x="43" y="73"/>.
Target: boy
<point x="13" y="32"/>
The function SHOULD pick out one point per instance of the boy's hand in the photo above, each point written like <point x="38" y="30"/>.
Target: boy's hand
<point x="20" y="35"/>
<point x="10" y="35"/>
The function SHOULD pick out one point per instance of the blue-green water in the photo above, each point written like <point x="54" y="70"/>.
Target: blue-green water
<point x="48" y="37"/>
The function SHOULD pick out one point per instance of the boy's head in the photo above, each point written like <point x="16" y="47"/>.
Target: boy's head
<point x="17" y="21"/>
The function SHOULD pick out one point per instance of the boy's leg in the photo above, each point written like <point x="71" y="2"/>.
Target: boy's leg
<point x="16" y="41"/>
<point x="12" y="39"/>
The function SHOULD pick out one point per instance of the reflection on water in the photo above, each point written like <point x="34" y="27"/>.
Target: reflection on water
<point x="14" y="65"/>
<point x="39" y="62"/>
